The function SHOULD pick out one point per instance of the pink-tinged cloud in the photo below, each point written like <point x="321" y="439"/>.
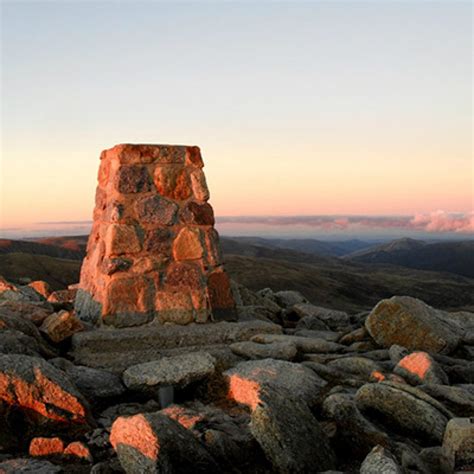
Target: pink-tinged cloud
<point x="441" y="221"/>
<point x="438" y="221"/>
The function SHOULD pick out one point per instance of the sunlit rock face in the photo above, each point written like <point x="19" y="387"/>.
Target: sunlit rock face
<point x="153" y="252"/>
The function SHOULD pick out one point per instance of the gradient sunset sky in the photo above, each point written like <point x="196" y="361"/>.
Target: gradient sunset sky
<point x="315" y="108"/>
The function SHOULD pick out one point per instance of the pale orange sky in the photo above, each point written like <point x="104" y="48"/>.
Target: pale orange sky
<point x="305" y="109"/>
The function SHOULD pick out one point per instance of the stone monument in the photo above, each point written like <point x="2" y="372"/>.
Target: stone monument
<point x="153" y="253"/>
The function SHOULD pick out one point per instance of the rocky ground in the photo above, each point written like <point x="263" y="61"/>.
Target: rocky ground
<point x="290" y="388"/>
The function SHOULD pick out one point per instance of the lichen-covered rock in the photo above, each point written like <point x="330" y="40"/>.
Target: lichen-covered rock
<point x="246" y="381"/>
<point x="153" y="442"/>
<point x="413" y="324"/>
<point x="41" y="287"/>
<point x="303" y="344"/>
<point x="60" y="326"/>
<point x="457" y="399"/>
<point x="30" y="311"/>
<point x="118" y="349"/>
<point x="170" y="371"/>
<point x="62" y="297"/>
<point x="355" y="434"/>
<point x="404" y="408"/>
<point x="275" y="350"/>
<point x="290" y="436"/>
<point x="15" y="342"/>
<point x="310" y="314"/>
<point x="13" y="322"/>
<point x="380" y="461"/>
<point x="420" y="368"/>
<point x="41" y="392"/>
<point x="358" y="366"/>
<point x="288" y="298"/>
<point x="95" y="384"/>
<point x="28" y="466"/>
<point x="458" y="443"/>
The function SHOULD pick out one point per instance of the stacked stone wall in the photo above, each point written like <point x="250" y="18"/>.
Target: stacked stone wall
<point x="153" y="252"/>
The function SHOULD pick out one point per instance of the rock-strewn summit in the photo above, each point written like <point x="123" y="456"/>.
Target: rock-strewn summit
<point x="153" y="253"/>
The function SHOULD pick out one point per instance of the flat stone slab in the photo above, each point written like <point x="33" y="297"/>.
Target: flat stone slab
<point x="177" y="371"/>
<point x="118" y="349"/>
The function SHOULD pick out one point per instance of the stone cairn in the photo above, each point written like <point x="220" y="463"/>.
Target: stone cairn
<point x="153" y="253"/>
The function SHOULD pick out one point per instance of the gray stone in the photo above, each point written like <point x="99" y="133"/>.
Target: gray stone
<point x="357" y="335"/>
<point x="86" y="308"/>
<point x="329" y="336"/>
<point x="358" y="366"/>
<point x="380" y="461"/>
<point x="397" y="353"/>
<point x="289" y="435"/>
<point x="413" y="324"/>
<point x="31" y="311"/>
<point x="13" y="322"/>
<point x="118" y="349"/>
<point x="247" y="379"/>
<point x="28" y="466"/>
<point x="156" y="210"/>
<point x="332" y="318"/>
<point x="288" y="298"/>
<point x="436" y="461"/>
<point x="457" y="399"/>
<point x="15" y="342"/>
<point x="303" y="344"/>
<point x="261" y="313"/>
<point x="274" y="350"/>
<point x="334" y="375"/>
<point x="94" y="384"/>
<point x="404" y="408"/>
<point x="356" y="434"/>
<point x="152" y="442"/>
<point x="170" y="371"/>
<point x="458" y="443"/>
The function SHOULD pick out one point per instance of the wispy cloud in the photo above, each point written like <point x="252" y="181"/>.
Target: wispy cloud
<point x="438" y="221"/>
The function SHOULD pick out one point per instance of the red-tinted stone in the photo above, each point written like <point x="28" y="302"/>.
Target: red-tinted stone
<point x="60" y="326"/>
<point x="157" y="210"/>
<point x="46" y="447"/>
<point x="133" y="179"/>
<point x="198" y="214"/>
<point x="183" y="275"/>
<point x="199" y="185"/>
<point x="220" y="296"/>
<point x="158" y="241"/>
<point x="121" y="239"/>
<point x="128" y="295"/>
<point x="211" y="238"/>
<point x="41" y="392"/>
<point x="187" y="245"/>
<point x="174" y="307"/>
<point x="172" y="182"/>
<point x="78" y="450"/>
<point x="117" y="264"/>
<point x="62" y="296"/>
<point x="193" y="156"/>
<point x="41" y="287"/>
<point x="150" y="218"/>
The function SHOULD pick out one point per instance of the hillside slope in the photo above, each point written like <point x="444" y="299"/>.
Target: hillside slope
<point x="453" y="257"/>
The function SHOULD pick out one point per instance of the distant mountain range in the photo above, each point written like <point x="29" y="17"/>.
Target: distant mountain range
<point x="453" y="257"/>
<point x="348" y="282"/>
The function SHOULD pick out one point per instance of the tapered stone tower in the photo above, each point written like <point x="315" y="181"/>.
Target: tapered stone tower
<point x="153" y="253"/>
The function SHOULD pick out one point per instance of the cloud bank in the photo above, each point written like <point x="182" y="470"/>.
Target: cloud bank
<point x="435" y="222"/>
